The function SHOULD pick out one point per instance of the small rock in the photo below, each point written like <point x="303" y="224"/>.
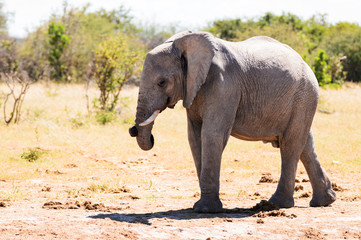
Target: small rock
<point x="260" y="221"/>
<point x="46" y="189"/>
<point x="337" y="188"/>
<point x="298" y="188"/>
<point x="305" y="195"/>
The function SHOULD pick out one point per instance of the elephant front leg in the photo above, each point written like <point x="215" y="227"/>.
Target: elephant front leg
<point x="195" y="142"/>
<point x="208" y="174"/>
<point x="212" y="148"/>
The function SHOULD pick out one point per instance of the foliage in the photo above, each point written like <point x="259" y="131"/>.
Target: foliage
<point x="338" y="75"/>
<point x="58" y="41"/>
<point x="308" y="38"/>
<point x="115" y="63"/>
<point x="34" y="54"/>
<point x="329" y="70"/>
<point x="86" y="30"/>
<point x="345" y="39"/>
<point x="8" y="55"/>
<point x="105" y="117"/>
<point x="321" y="68"/>
<point x="72" y="60"/>
<point x="228" y="29"/>
<point x="32" y="154"/>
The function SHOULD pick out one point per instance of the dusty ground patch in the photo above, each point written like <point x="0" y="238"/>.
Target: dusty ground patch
<point x="165" y="220"/>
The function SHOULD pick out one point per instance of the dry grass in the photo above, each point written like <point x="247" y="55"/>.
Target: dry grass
<point x="82" y="158"/>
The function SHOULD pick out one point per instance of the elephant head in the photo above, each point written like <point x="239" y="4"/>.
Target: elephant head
<point x="173" y="71"/>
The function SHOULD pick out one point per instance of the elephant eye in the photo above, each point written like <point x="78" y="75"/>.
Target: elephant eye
<point x="161" y="82"/>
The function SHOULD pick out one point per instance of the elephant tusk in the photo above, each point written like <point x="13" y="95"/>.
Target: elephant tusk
<point x="150" y="119"/>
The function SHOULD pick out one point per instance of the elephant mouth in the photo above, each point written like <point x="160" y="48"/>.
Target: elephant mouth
<point x="150" y="119"/>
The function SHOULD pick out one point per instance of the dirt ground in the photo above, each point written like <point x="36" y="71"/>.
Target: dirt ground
<point x="132" y="214"/>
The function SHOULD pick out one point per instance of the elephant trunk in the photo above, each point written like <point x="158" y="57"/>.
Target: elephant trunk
<point x="145" y="137"/>
<point x="143" y="131"/>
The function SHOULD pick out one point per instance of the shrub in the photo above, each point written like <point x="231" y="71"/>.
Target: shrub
<point x="115" y="63"/>
<point x="32" y="154"/>
<point x="321" y="68"/>
<point x="105" y="117"/>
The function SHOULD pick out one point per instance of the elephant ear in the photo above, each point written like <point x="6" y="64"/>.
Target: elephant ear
<point x="198" y="49"/>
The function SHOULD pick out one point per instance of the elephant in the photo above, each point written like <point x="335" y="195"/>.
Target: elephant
<point x="257" y="90"/>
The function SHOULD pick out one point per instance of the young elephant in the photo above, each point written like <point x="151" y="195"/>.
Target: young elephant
<point x="257" y="90"/>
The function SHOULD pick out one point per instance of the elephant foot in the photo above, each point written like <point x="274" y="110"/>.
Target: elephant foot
<point x="282" y="202"/>
<point x="323" y="199"/>
<point x="208" y="205"/>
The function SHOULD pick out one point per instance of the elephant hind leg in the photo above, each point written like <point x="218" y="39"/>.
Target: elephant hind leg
<point x="291" y="144"/>
<point x="283" y="197"/>
<point x="323" y="195"/>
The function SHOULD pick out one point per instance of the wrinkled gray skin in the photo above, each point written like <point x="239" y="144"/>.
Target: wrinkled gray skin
<point x="257" y="90"/>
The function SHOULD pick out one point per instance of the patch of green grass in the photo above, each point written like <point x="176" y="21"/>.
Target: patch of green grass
<point x="104" y="117"/>
<point x="32" y="154"/>
<point x="74" y="193"/>
<point x="12" y="195"/>
<point x="98" y="188"/>
<point x="151" y="197"/>
<point x="77" y="121"/>
<point x="177" y="197"/>
<point x="52" y="92"/>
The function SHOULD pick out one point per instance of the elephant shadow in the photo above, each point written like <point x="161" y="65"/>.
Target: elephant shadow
<point x="180" y="214"/>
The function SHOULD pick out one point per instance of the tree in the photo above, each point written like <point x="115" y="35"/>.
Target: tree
<point x="345" y="39"/>
<point x="16" y="79"/>
<point x="58" y="41"/>
<point x="34" y="53"/>
<point x="338" y="75"/>
<point x="115" y="63"/>
<point x="8" y="55"/>
<point x="18" y="85"/>
<point x="228" y="29"/>
<point x="85" y="31"/>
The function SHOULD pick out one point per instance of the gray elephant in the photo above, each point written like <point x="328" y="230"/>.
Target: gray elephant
<point x="257" y="90"/>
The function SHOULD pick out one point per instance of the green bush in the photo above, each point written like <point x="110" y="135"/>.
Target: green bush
<point x="115" y="63"/>
<point x="85" y="29"/>
<point x="322" y="69"/>
<point x="32" y="154"/>
<point x="104" y="117"/>
<point x="345" y="39"/>
<point x="58" y="42"/>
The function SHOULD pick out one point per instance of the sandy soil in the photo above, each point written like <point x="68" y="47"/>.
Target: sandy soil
<point x="167" y="218"/>
<point x="157" y="220"/>
<point x="133" y="216"/>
